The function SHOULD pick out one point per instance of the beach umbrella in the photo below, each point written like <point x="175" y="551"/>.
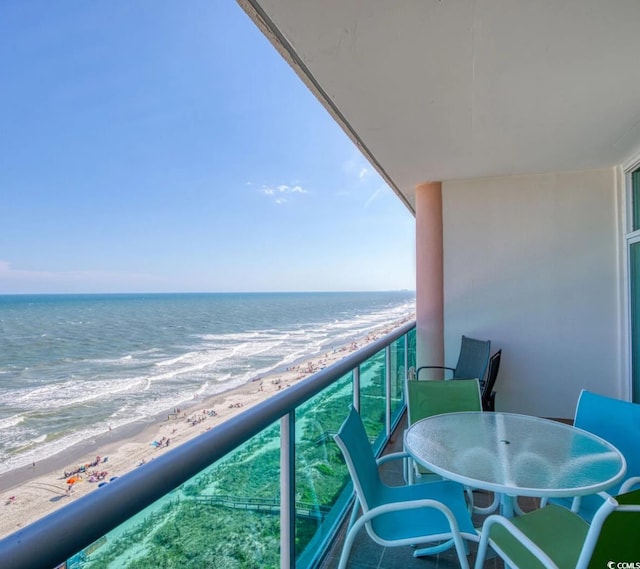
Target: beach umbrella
<point x="74" y="479"/>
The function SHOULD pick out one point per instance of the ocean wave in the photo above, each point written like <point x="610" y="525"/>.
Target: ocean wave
<point x="173" y="361"/>
<point x="33" y="452"/>
<point x="68" y="393"/>
<point x="12" y="421"/>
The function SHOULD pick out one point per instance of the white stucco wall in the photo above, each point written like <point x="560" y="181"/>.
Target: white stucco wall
<point x="532" y="263"/>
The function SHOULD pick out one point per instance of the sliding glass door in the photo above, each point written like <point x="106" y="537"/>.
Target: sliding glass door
<point x="633" y="250"/>
<point x="634" y="297"/>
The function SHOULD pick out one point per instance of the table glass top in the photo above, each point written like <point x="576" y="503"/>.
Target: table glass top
<point x="504" y="452"/>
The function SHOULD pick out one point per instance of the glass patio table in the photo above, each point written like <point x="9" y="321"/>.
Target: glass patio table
<point x="515" y="455"/>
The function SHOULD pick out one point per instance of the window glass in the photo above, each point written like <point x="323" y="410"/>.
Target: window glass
<point x="634" y="293"/>
<point x="635" y="199"/>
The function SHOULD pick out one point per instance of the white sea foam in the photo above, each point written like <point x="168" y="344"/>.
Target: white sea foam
<point x="175" y="360"/>
<point x="11" y="421"/>
<point x="34" y="452"/>
<point x="222" y="378"/>
<point x="68" y="393"/>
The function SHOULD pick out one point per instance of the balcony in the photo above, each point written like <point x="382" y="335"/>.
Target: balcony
<point x="267" y="488"/>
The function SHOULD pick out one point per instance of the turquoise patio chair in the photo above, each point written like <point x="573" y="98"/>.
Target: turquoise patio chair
<point x="555" y="538"/>
<point x="615" y="421"/>
<point x="472" y="361"/>
<point x="400" y="515"/>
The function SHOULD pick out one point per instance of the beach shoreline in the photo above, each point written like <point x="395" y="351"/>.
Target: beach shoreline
<point x="31" y="492"/>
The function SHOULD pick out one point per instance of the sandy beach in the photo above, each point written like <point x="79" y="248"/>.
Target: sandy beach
<point x="29" y="493"/>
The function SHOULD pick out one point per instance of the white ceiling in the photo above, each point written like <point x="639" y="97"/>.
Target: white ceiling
<point x="451" y="89"/>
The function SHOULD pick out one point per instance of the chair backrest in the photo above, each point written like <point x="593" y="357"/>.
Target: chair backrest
<point x="486" y="386"/>
<point x="473" y="359"/>
<point x="356" y="448"/>
<point x="428" y="398"/>
<point x="614" y="420"/>
<point x="614" y="534"/>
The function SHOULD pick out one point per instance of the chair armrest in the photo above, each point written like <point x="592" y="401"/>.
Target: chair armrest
<point x="576" y="503"/>
<point x="451" y="369"/>
<point x="518" y="534"/>
<point x="392" y="456"/>
<point x="416" y="504"/>
<point x="629" y="483"/>
<point x="409" y="505"/>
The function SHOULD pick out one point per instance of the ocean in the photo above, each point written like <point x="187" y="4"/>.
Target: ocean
<point x="74" y="366"/>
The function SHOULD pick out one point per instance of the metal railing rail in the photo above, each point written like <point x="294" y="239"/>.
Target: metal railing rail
<point x="60" y="535"/>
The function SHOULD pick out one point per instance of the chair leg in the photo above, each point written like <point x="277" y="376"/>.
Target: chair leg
<point x="482" y="550"/>
<point x="348" y="542"/>
<point x="411" y="472"/>
<point x="346" y="549"/>
<point x="354" y="513"/>
<point x="462" y="550"/>
<point x="488" y="509"/>
<point x="517" y="509"/>
<point x="435" y="549"/>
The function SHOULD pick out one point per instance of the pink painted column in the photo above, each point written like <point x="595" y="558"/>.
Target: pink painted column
<point x="429" y="278"/>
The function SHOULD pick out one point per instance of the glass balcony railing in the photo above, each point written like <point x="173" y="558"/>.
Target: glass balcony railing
<point x="267" y="488"/>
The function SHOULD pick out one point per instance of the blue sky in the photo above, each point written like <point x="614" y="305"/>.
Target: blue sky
<point x="165" y="146"/>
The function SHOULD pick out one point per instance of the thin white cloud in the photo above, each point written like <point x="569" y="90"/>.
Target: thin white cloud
<point x="372" y="197"/>
<point x="357" y="167"/>
<point x="361" y="180"/>
<point x="359" y="175"/>
<point x="292" y="189"/>
<point x="281" y="190"/>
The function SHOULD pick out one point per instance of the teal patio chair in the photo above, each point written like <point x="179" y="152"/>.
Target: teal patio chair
<point x="400" y="515"/>
<point x="472" y="361"/>
<point x="555" y="538"/>
<point x="615" y="421"/>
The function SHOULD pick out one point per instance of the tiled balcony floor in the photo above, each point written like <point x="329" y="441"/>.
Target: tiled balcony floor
<point x="366" y="554"/>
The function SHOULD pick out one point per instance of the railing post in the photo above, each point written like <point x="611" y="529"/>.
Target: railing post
<point x="406" y="355"/>
<point x="356" y="388"/>
<point x="287" y="491"/>
<point x="387" y="389"/>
